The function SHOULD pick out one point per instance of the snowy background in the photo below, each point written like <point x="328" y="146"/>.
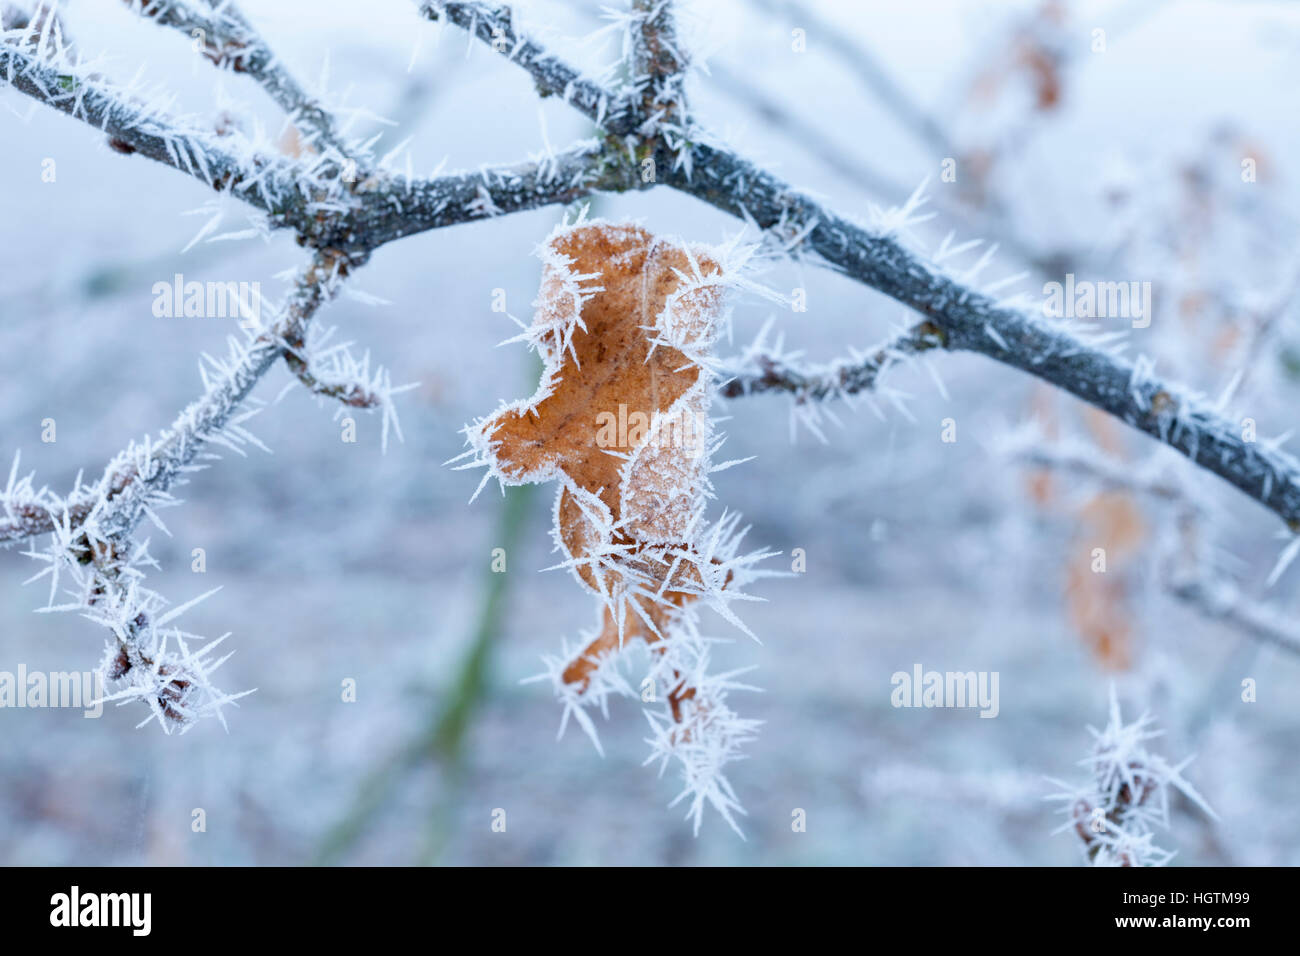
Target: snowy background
<point x="338" y="562"/>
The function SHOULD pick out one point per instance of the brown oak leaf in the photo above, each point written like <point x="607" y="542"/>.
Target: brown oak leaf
<point x="620" y="420"/>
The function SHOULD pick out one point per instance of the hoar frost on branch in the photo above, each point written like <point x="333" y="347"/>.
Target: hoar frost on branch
<point x="342" y="202"/>
<point x="92" y="527"/>
<point x="1117" y="813"/>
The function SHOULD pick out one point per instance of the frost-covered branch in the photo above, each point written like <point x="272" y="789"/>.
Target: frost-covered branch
<point x="764" y="368"/>
<point x="658" y="64"/>
<point x="140" y="478"/>
<point x="806" y="133"/>
<point x="225" y="37"/>
<point x="418" y="205"/>
<point x="43" y="66"/>
<point x="332" y="371"/>
<point x="969" y="320"/>
<point x="134" y="479"/>
<point x="1117" y="813"/>
<point x="494" y="25"/>
<point x="311" y="198"/>
<point x="145" y="660"/>
<point x="28" y="511"/>
<point x="92" y="529"/>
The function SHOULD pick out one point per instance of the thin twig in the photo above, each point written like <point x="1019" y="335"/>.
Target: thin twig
<point x="230" y="41"/>
<point x="494" y="25"/>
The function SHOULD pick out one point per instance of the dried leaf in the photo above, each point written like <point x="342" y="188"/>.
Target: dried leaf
<point x="625" y="322"/>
